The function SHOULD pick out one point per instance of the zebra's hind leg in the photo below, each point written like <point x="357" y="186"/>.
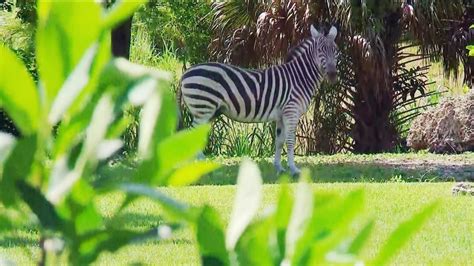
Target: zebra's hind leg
<point x="280" y="135"/>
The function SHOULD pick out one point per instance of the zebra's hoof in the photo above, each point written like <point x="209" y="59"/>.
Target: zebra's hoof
<point x="280" y="171"/>
<point x="295" y="171"/>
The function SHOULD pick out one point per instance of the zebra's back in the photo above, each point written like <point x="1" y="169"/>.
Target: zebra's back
<point x="241" y="94"/>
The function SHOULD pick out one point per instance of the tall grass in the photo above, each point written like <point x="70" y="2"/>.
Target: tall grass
<point x="232" y="139"/>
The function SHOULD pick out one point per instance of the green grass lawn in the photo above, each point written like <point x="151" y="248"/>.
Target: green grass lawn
<point x="446" y="239"/>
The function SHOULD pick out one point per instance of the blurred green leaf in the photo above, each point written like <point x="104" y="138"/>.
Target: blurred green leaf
<point x="254" y="246"/>
<point x="193" y="141"/>
<point x="90" y="94"/>
<point x="94" y="243"/>
<point x="361" y="239"/>
<point x="301" y="213"/>
<point x="17" y="166"/>
<point x="119" y="126"/>
<point x="174" y="207"/>
<point x="121" y="10"/>
<point x="72" y="86"/>
<point x="190" y="173"/>
<point x="18" y="94"/>
<point x="95" y="133"/>
<point x="97" y="129"/>
<point x="164" y="126"/>
<point x="246" y="202"/>
<point x="282" y="216"/>
<point x="210" y="238"/>
<point x="7" y="142"/>
<point x="401" y="235"/>
<point x="71" y="132"/>
<point x="65" y="30"/>
<point x="329" y="227"/>
<point x="108" y="148"/>
<point x="148" y="118"/>
<point x="88" y="220"/>
<point x="6" y="224"/>
<point x="39" y="205"/>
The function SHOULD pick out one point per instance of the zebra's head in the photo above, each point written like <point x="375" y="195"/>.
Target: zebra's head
<point x="326" y="53"/>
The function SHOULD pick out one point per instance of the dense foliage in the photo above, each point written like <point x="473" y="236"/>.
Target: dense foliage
<point x="183" y="25"/>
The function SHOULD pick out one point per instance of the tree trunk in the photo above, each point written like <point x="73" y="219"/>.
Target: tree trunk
<point x="121" y="38"/>
<point x="373" y="130"/>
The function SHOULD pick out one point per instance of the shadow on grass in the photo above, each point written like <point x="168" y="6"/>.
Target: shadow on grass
<point x="12" y="241"/>
<point x="132" y="220"/>
<point x="140" y="221"/>
<point x="340" y="172"/>
<point x="321" y="172"/>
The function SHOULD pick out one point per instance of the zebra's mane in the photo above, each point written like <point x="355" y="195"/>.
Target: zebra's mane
<point x="298" y="49"/>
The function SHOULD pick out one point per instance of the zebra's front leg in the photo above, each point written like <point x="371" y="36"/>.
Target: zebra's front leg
<point x="290" y="143"/>
<point x="280" y="135"/>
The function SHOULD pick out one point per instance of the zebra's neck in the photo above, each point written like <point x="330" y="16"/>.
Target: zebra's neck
<point x="305" y="74"/>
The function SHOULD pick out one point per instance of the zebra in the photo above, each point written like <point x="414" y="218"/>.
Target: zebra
<point x="280" y="93"/>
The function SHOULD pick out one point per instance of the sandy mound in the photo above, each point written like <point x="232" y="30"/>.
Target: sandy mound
<point x="446" y="128"/>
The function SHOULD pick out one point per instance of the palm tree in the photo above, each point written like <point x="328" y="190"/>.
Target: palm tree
<point x="377" y="75"/>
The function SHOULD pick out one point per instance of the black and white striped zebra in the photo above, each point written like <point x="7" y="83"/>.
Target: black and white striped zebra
<point x="280" y="93"/>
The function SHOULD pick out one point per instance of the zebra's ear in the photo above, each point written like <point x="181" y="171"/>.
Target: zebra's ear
<point x="332" y="33"/>
<point x="314" y="32"/>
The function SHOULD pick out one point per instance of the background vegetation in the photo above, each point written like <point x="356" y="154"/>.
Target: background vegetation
<point x="420" y="62"/>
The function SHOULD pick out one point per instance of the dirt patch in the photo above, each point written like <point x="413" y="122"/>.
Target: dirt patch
<point x="459" y="170"/>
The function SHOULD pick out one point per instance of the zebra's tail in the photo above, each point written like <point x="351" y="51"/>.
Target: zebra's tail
<point x="180" y="105"/>
<point x="180" y="102"/>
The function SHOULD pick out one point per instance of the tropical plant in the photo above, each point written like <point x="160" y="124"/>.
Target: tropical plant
<point x="377" y="70"/>
<point x="83" y="92"/>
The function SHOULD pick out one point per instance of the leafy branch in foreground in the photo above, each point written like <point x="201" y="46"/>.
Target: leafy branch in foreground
<point x="82" y="93"/>
<point x="304" y="229"/>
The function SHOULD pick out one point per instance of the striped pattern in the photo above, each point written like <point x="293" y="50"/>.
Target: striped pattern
<point x="280" y="93"/>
